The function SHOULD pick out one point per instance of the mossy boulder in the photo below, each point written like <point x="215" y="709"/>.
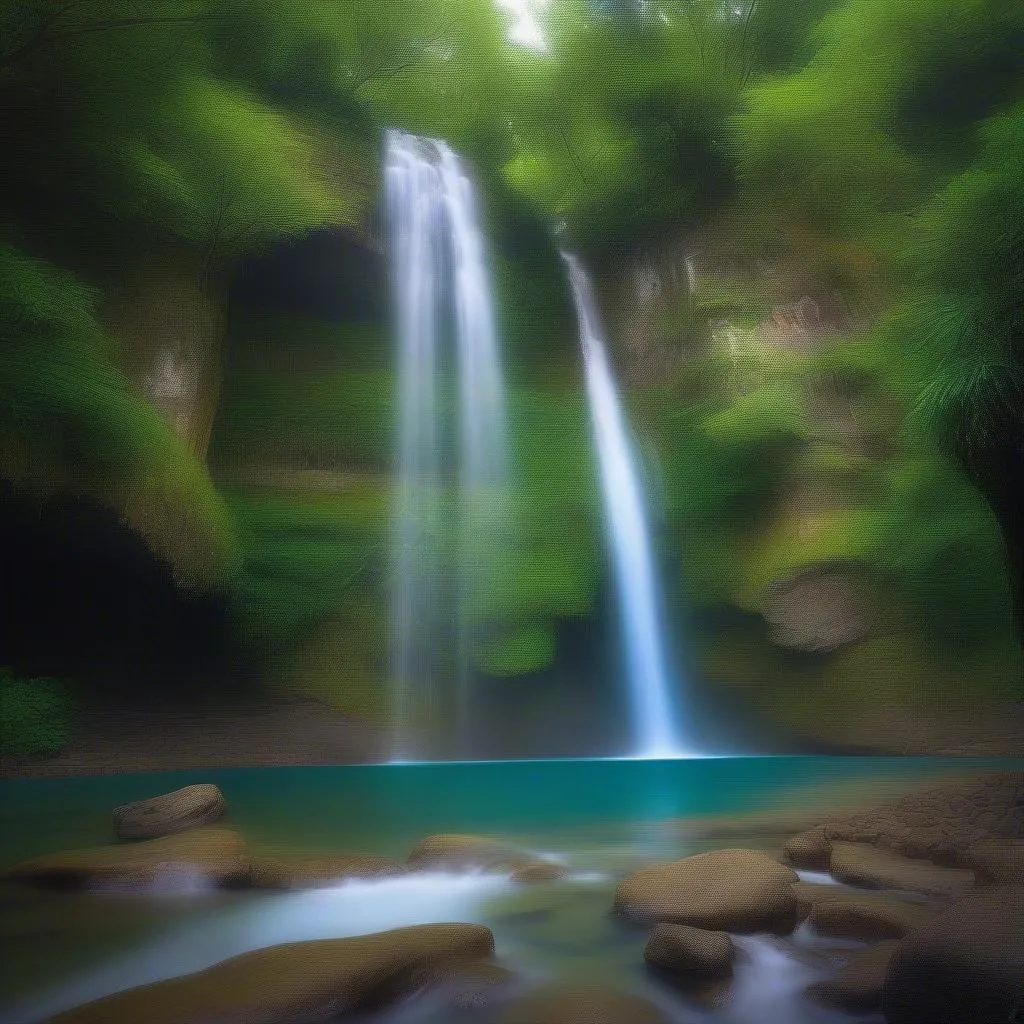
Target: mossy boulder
<point x="185" y="808"/>
<point x="453" y="850"/>
<point x="215" y="855"/>
<point x="581" y="1004"/>
<point x="730" y="890"/>
<point x="317" y="872"/>
<point x="299" y="981"/>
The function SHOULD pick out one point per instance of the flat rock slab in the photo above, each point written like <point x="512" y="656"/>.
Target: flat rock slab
<point x="860" y="864"/>
<point x="997" y="860"/>
<point x="690" y="954"/>
<point x="857" y="985"/>
<point x="964" y="965"/>
<point x="189" y="807"/>
<point x="866" y="916"/>
<point x="723" y="890"/>
<point x="300" y="981"/>
<point x="217" y="855"/>
<point x="317" y="872"/>
<point x="581" y="1004"/>
<point x="453" y="850"/>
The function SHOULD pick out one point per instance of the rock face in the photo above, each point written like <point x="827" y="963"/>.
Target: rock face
<point x="941" y="823"/>
<point x="997" y="860"/>
<point x="818" y="610"/>
<point x="866" y="917"/>
<point x="591" y="1004"/>
<point x="966" y="964"/>
<point x="728" y="890"/>
<point x="690" y="955"/>
<point x="172" y="812"/>
<point x="860" y="864"/>
<point x="317" y="872"/>
<point x="301" y="981"/>
<point x="216" y="855"/>
<point x="857" y="985"/>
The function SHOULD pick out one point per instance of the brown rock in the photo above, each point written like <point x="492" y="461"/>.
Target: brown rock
<point x="857" y="985"/>
<point x="185" y="808"/>
<point x="810" y="849"/>
<point x="860" y="864"/>
<point x="866" y="917"/>
<point x="728" y="890"/>
<point x="579" y="1004"/>
<point x="300" y="981"/>
<point x="215" y="854"/>
<point x="317" y="872"/>
<point x="466" y="851"/>
<point x="997" y="860"/>
<point x="539" y="871"/>
<point x="690" y="954"/>
<point x="465" y="986"/>
<point x="964" y="965"/>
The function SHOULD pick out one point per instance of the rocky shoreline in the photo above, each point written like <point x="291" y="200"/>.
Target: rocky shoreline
<point x="929" y="888"/>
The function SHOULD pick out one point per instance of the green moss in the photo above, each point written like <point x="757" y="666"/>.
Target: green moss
<point x="515" y="649"/>
<point x="34" y="715"/>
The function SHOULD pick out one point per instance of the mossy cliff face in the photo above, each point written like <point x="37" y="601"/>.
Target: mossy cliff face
<point x="847" y="581"/>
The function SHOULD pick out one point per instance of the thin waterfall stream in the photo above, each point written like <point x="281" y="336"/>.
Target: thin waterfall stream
<point x="439" y="274"/>
<point x="656" y="729"/>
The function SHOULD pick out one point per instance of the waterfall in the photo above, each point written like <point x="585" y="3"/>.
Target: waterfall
<point x="439" y="274"/>
<point x="655" y="728"/>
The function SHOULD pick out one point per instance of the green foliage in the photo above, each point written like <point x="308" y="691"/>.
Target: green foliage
<point x="34" y="715"/>
<point x="72" y="420"/>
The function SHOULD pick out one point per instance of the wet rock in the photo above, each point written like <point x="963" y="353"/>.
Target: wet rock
<point x="690" y="955"/>
<point x="300" y="981"/>
<point x="818" y="610"/>
<point x="857" y="986"/>
<point x="317" y="872"/>
<point x="811" y="849"/>
<point x="581" y="1004"/>
<point x="861" y="864"/>
<point x="190" y="807"/>
<point x="466" y="851"/>
<point x="940" y="823"/>
<point x="997" y="860"/>
<point x="466" y="986"/>
<point x="539" y="871"/>
<point x="727" y="890"/>
<point x="964" y="965"/>
<point x="216" y="855"/>
<point x="866" y="917"/>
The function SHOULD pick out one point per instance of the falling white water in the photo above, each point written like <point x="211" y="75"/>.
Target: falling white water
<point x="656" y="731"/>
<point x="438" y="263"/>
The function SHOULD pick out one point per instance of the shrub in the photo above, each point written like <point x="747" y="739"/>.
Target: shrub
<point x="34" y="715"/>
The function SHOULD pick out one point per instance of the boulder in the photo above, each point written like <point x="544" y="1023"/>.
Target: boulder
<point x="964" y="965"/>
<point x="536" y="871"/>
<point x="811" y="849"/>
<point x="300" y="981"/>
<point x="817" y="610"/>
<point x="465" y="986"/>
<point x="857" y="986"/>
<point x="465" y="851"/>
<point x="866" y="917"/>
<point x="216" y="855"/>
<point x="727" y="890"/>
<point x="317" y="872"/>
<point x="875" y="868"/>
<point x="189" y="807"/>
<point x="690" y="955"/>
<point x="581" y="1004"/>
<point x="940" y="822"/>
<point x="997" y="860"/>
